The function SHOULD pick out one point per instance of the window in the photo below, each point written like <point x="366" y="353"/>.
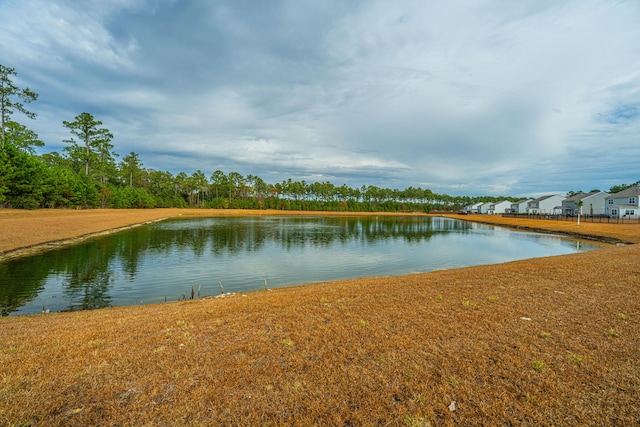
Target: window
<point x="614" y="212"/>
<point x="610" y="201"/>
<point x="629" y="212"/>
<point x="632" y="200"/>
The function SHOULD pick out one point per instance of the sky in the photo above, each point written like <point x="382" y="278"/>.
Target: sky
<point x="464" y="97"/>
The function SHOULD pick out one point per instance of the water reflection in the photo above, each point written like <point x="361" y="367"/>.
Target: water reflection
<point x="150" y="263"/>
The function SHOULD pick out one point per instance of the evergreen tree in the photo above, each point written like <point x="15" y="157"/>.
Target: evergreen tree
<point x="12" y="99"/>
<point x="21" y="137"/>
<point x="95" y="148"/>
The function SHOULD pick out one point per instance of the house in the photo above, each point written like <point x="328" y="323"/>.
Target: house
<point x="545" y="204"/>
<point x="484" y="208"/>
<point x="472" y="209"/>
<point x="520" y="206"/>
<point x="593" y="203"/>
<point x="625" y="204"/>
<point x="499" y="207"/>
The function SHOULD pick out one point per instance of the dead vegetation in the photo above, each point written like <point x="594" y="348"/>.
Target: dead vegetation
<point x="549" y="341"/>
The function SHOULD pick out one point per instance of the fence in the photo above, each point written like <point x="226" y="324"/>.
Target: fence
<point x="574" y="218"/>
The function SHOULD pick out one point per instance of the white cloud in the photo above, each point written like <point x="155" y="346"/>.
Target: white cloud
<point x="482" y="97"/>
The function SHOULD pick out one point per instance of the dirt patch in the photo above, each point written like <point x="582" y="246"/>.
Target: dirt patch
<point x="548" y="341"/>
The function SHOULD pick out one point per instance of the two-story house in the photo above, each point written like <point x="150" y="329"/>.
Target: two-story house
<point x="625" y="204"/>
<point x="545" y="205"/>
<point x="593" y="203"/>
<point x="484" y="208"/>
<point x="520" y="206"/>
<point x="472" y="209"/>
<point x="499" y="207"/>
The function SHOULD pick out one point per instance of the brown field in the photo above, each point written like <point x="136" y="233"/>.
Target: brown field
<point x="542" y="342"/>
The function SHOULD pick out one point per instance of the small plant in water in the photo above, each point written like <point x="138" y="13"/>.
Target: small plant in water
<point x="611" y="332"/>
<point x="545" y="335"/>
<point x="622" y="316"/>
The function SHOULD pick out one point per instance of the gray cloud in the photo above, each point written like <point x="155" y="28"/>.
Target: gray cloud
<point x="489" y="97"/>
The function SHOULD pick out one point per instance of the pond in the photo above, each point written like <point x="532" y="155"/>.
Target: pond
<point x="163" y="261"/>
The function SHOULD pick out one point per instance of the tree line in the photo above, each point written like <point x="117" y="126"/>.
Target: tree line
<point x="87" y="174"/>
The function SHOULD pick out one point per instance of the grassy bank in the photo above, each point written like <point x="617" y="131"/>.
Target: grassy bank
<point x="549" y="341"/>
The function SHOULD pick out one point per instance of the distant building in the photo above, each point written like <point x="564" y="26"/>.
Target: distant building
<point x="472" y="209"/>
<point x="499" y="207"/>
<point x="520" y="206"/>
<point x="550" y="204"/>
<point x="625" y="204"/>
<point x="593" y="203"/>
<point x="484" y="208"/>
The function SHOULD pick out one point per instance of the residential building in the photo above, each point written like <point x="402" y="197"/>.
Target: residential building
<point x="520" y="206"/>
<point x="550" y="204"/>
<point x="484" y="208"/>
<point x="472" y="209"/>
<point x="625" y="204"/>
<point x="499" y="207"/>
<point x="593" y="203"/>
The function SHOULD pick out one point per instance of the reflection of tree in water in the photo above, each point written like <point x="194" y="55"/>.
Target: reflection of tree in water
<point x="88" y="268"/>
<point x="89" y="276"/>
<point x="236" y="235"/>
<point x="17" y="288"/>
<point x="325" y="232"/>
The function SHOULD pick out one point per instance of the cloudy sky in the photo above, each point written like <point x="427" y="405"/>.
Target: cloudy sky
<point x="465" y="97"/>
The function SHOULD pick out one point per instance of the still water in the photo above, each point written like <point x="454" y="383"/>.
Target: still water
<point x="164" y="260"/>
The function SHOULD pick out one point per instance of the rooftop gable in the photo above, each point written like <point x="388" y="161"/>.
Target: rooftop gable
<point x="629" y="192"/>
<point x="540" y="199"/>
<point x="580" y="196"/>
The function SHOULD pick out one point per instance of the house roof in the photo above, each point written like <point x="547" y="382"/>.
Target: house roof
<point x="519" y="202"/>
<point x="539" y="199"/>
<point x="629" y="192"/>
<point x="580" y="196"/>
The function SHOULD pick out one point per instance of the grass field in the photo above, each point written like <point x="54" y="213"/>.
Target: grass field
<point x="548" y="341"/>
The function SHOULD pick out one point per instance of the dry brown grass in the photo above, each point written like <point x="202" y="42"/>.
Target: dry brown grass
<point x="549" y="341"/>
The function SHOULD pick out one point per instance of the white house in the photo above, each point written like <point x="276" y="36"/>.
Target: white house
<point x="545" y="205"/>
<point x="484" y="208"/>
<point x="625" y="204"/>
<point x="593" y="203"/>
<point x="520" y="206"/>
<point x="472" y="209"/>
<point x="499" y="207"/>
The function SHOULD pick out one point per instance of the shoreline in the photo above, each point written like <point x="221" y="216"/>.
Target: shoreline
<point x="12" y="246"/>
